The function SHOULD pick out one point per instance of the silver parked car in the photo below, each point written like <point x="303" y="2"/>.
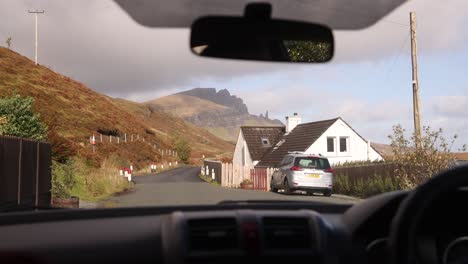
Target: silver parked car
<point x="304" y="172"/>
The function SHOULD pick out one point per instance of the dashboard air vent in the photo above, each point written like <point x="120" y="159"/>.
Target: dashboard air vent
<point x="212" y="234"/>
<point x="286" y="233"/>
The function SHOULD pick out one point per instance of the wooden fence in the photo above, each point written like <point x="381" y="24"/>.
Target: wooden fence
<point x="366" y="172"/>
<point x="101" y="139"/>
<point x="25" y="173"/>
<point x="230" y="175"/>
<point x="260" y="178"/>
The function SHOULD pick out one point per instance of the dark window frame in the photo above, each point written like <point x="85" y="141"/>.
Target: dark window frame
<point x="333" y="144"/>
<point x="345" y="145"/>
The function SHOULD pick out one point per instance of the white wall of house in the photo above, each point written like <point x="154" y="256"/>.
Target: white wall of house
<point x="356" y="148"/>
<point x="241" y="147"/>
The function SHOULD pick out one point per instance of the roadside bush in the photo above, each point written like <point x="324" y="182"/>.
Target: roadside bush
<point x="183" y="150"/>
<point x="63" y="179"/>
<point x="362" y="187"/>
<point x="17" y="118"/>
<point x="357" y="163"/>
<point x="416" y="165"/>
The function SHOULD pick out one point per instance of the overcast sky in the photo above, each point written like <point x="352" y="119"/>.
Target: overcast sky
<point x="368" y="83"/>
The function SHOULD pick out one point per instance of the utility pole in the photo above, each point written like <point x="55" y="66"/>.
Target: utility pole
<point x="36" y="13"/>
<point x="414" y="62"/>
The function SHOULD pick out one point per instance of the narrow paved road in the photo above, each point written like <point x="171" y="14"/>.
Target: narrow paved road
<point x="182" y="186"/>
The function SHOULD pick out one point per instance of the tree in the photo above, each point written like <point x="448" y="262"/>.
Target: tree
<point x="8" y="42"/>
<point x="17" y="118"/>
<point x="416" y="165"/>
<point x="308" y="51"/>
<point x="183" y="150"/>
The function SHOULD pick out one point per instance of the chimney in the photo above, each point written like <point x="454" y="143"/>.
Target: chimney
<point x="292" y="122"/>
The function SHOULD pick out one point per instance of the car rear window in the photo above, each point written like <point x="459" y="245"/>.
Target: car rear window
<point x="312" y="162"/>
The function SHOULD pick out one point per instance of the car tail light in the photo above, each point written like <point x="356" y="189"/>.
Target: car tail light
<point x="296" y="168"/>
<point x="330" y="170"/>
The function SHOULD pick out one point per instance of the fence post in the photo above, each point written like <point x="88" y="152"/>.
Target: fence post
<point x="268" y="181"/>
<point x="110" y="139"/>
<point x="18" y="198"/>
<point x="101" y="137"/>
<point x="213" y="174"/>
<point x="222" y="174"/>
<point x="125" y="137"/>
<point x="118" y="140"/>
<point x="36" y="202"/>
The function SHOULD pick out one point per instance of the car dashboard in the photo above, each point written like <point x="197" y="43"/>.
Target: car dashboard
<point x="225" y="233"/>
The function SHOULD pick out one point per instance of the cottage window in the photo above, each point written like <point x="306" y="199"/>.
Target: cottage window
<point x="266" y="142"/>
<point x="330" y="144"/>
<point x="343" y="144"/>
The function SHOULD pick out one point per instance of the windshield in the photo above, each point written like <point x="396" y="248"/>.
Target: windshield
<point x="97" y="110"/>
<point x="314" y="163"/>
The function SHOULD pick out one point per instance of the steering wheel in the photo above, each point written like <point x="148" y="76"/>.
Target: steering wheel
<point x="409" y="215"/>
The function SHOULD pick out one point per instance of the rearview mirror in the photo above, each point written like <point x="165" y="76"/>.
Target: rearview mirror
<point x="256" y="36"/>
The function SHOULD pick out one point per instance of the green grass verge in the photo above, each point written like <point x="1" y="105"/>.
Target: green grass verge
<point x="94" y="184"/>
<point x="208" y="180"/>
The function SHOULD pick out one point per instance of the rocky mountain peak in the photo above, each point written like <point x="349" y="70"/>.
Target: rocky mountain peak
<point x="222" y="97"/>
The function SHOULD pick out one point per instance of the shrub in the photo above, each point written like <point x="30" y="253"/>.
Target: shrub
<point x="149" y="132"/>
<point x="17" y="118"/>
<point x="416" y="165"/>
<point x="63" y="179"/>
<point x="364" y="187"/>
<point x="247" y="181"/>
<point x="109" y="132"/>
<point x="357" y="163"/>
<point x="183" y="149"/>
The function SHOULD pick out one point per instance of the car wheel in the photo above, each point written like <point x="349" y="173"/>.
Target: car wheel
<point x="273" y="188"/>
<point x="327" y="193"/>
<point x="310" y="193"/>
<point x="287" y="190"/>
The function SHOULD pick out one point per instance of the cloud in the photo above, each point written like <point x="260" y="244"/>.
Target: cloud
<point x="440" y="26"/>
<point x="97" y="43"/>
<point x="453" y="106"/>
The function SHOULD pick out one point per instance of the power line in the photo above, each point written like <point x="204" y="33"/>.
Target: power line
<point x="397" y="55"/>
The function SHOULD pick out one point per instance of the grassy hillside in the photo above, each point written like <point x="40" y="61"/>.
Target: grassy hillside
<point x="183" y="106"/>
<point x="220" y="120"/>
<point x="74" y="112"/>
<point x="167" y="126"/>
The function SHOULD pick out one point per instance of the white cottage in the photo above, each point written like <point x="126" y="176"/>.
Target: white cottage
<point x="334" y="139"/>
